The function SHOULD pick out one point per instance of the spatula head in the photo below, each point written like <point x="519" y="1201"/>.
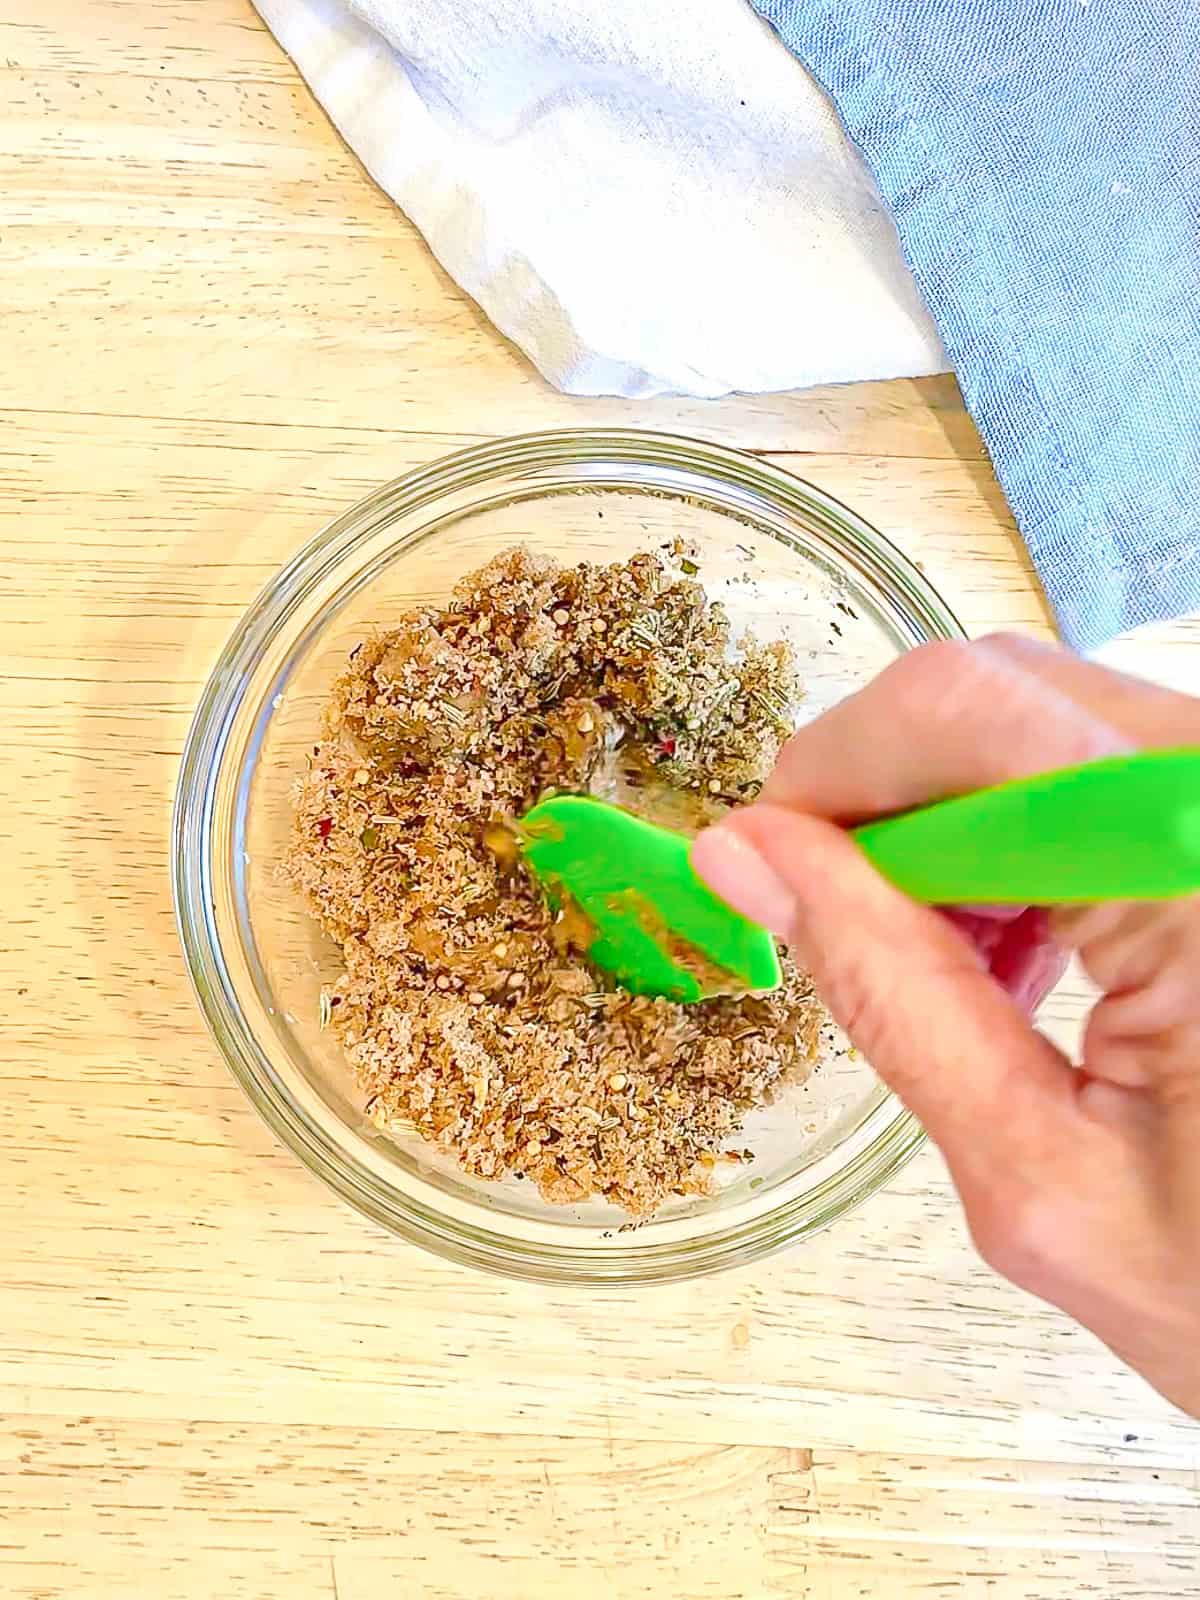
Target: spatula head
<point x="658" y="929"/>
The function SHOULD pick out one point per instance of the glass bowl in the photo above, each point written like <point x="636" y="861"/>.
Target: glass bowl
<point x="786" y="560"/>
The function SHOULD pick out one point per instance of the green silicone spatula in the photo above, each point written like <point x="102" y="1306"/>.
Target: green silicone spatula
<point x="1127" y="828"/>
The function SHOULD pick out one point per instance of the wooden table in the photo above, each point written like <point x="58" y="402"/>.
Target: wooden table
<point x="217" y="1381"/>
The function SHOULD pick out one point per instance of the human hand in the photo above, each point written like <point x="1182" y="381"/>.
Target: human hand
<point x="1081" y="1185"/>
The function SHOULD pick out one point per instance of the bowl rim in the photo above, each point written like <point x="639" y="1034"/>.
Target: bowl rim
<point x="191" y="857"/>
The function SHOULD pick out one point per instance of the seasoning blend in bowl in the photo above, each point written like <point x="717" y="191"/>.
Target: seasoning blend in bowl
<point x="413" y="1021"/>
<point x="468" y="1009"/>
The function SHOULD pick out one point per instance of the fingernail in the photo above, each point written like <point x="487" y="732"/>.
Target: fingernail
<point x="734" y="869"/>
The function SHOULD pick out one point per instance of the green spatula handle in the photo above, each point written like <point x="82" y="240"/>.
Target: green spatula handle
<point x="1126" y="828"/>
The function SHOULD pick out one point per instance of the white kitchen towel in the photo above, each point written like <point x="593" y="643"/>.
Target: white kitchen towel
<point x="645" y="197"/>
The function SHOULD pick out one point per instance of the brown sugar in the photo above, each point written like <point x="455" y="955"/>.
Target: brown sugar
<point x="465" y="1010"/>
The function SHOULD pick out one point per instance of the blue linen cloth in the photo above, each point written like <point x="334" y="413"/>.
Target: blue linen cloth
<point x="1042" y="161"/>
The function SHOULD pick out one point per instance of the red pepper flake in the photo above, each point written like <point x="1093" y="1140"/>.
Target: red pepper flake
<point x="325" y="827"/>
<point x="666" y="747"/>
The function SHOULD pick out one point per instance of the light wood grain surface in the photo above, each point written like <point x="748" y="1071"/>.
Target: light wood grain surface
<point x="215" y="1380"/>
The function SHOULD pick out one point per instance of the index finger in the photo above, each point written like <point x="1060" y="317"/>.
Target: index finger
<point x="1147" y="713"/>
<point x="942" y="720"/>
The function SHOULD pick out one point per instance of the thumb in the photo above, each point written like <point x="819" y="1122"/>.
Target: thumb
<point x="908" y="987"/>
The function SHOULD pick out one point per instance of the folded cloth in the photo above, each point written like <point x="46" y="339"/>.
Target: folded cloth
<point x="645" y="198"/>
<point x="658" y="198"/>
<point x="1042" y="161"/>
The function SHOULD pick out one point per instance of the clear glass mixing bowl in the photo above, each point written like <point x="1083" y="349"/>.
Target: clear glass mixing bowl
<point x="786" y="560"/>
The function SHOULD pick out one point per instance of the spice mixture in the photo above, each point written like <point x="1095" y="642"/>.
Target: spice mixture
<point x="467" y="1006"/>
